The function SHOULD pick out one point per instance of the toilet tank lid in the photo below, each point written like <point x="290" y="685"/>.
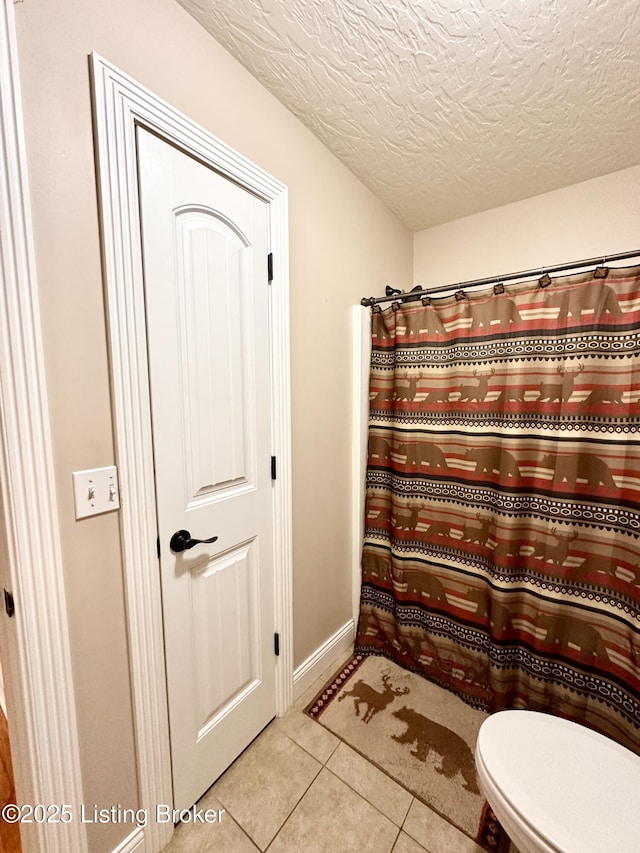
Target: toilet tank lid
<point x="574" y="786"/>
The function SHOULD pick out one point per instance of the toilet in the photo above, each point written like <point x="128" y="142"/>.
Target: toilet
<point x="559" y="787"/>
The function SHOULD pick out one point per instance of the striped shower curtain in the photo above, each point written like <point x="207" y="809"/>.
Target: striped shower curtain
<point x="501" y="553"/>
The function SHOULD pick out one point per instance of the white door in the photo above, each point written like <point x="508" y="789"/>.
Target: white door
<point x="205" y="245"/>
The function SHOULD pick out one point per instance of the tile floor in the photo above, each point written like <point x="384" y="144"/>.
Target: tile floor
<point x="299" y="789"/>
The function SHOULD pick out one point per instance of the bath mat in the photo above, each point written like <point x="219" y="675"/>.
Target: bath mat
<point x="420" y="735"/>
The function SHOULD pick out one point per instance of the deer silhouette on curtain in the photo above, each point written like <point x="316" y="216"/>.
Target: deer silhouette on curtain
<point x="501" y="553"/>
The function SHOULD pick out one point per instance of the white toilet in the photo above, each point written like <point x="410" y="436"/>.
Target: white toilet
<point x="559" y="787"/>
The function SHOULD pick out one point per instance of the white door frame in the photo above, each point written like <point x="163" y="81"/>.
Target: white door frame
<point x="120" y="104"/>
<point x="44" y="737"/>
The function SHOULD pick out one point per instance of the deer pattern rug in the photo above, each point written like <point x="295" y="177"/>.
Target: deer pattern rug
<point x="419" y="734"/>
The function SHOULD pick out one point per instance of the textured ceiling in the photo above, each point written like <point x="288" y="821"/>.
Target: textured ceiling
<point x="448" y="107"/>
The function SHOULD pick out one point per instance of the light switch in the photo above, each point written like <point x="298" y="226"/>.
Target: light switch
<point x="95" y="491"/>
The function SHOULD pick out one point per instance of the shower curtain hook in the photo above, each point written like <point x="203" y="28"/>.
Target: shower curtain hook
<point x="414" y="290"/>
<point x="602" y="271"/>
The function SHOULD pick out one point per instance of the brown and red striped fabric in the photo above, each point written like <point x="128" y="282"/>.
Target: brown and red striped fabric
<point x="501" y="553"/>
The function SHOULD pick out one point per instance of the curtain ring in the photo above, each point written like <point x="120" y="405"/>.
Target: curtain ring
<point x="460" y="295"/>
<point x="395" y="306"/>
<point x="545" y="280"/>
<point x="498" y="288"/>
<point x="426" y="300"/>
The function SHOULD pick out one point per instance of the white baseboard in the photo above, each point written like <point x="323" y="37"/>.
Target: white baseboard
<point x="329" y="652"/>
<point x="134" y="841"/>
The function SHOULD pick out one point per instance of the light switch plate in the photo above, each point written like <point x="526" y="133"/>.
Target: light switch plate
<point x="95" y="491"/>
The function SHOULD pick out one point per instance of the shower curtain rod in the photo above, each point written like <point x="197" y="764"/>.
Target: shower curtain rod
<point x="393" y="295"/>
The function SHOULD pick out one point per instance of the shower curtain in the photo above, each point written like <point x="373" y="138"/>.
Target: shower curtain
<point x="501" y="553"/>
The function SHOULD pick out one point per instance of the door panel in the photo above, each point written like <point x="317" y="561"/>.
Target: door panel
<point x="224" y="614"/>
<point x="217" y="401"/>
<point x="205" y="244"/>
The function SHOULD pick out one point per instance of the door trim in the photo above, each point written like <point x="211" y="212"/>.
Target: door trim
<point x="39" y="677"/>
<point x="120" y="104"/>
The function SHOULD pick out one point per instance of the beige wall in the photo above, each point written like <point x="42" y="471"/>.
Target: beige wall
<point x="581" y="221"/>
<point x="344" y="244"/>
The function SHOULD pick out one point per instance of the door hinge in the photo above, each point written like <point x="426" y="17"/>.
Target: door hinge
<point x="276" y="644"/>
<point x="270" y="267"/>
<point x="9" y="604"/>
<point x="274" y="473"/>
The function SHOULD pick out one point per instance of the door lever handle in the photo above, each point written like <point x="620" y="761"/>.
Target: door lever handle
<point x="182" y="541"/>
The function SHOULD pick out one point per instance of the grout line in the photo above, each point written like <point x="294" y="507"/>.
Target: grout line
<point x="299" y="745"/>
<point x="375" y="808"/>
<point x="242" y="830"/>
<point x="304" y="793"/>
<point x="304" y="748"/>
<point x="362" y="797"/>
<point x="297" y="802"/>
<point x="404" y="820"/>
<point x="395" y="840"/>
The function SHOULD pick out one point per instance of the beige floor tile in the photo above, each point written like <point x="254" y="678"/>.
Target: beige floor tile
<point x="406" y="844"/>
<point x="372" y="784"/>
<point x="224" y="835"/>
<point x="344" y="658"/>
<point x="311" y="736"/>
<point x="264" y="785"/>
<point x="331" y="817"/>
<point x="309" y="694"/>
<point x="312" y="691"/>
<point x="436" y="834"/>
